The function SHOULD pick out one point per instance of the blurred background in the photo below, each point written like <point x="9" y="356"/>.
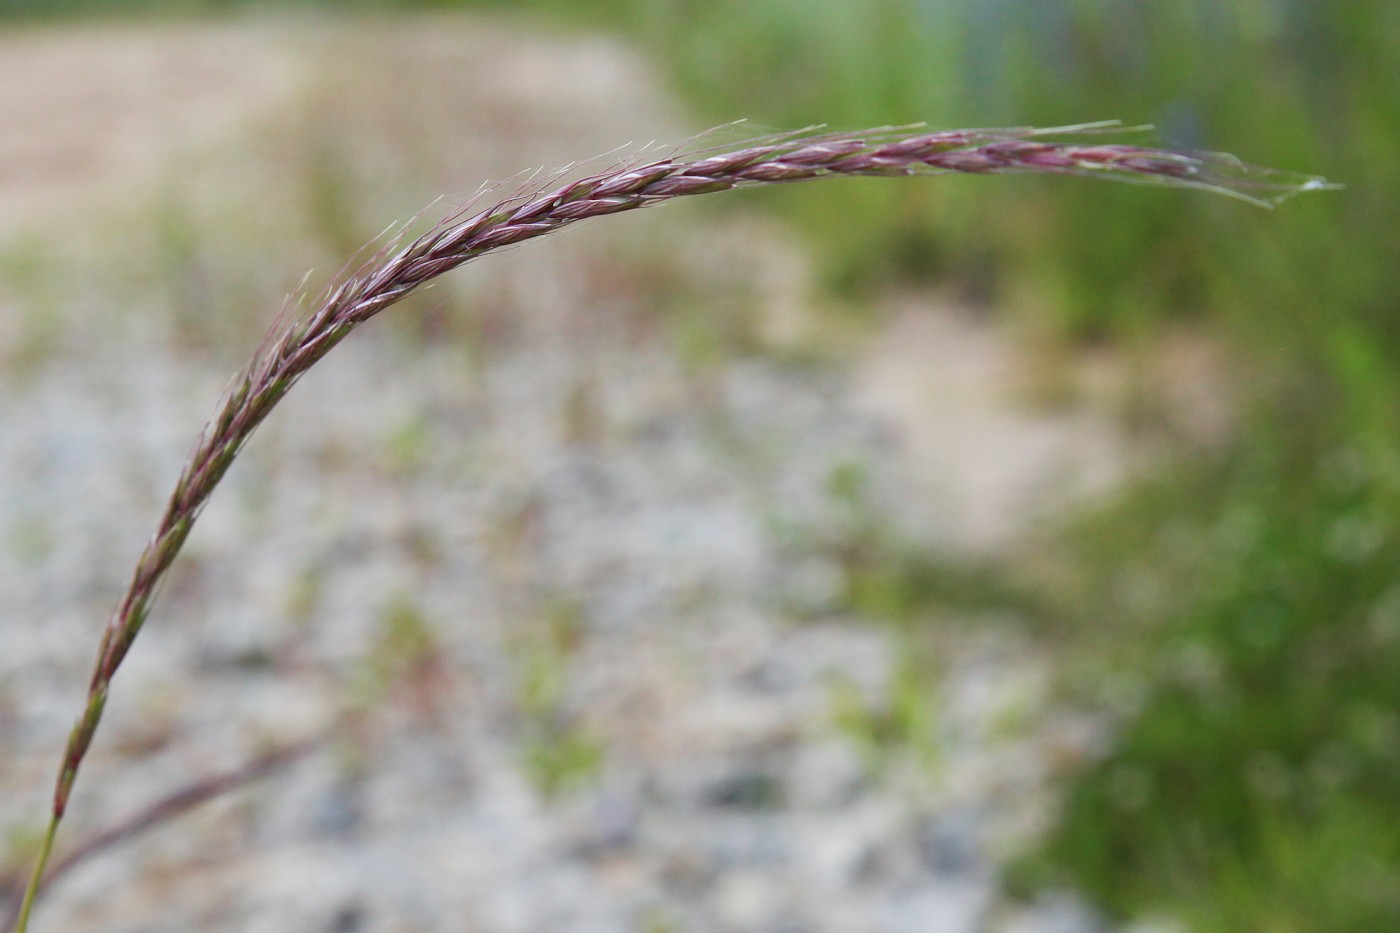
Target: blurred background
<point x="946" y="554"/>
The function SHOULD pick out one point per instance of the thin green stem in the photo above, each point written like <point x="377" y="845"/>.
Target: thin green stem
<point x="32" y="891"/>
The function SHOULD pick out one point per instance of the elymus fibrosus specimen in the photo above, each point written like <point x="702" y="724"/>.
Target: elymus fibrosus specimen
<point x="300" y="338"/>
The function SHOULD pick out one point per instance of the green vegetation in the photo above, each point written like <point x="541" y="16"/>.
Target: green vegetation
<point x="901" y="725"/>
<point x="1253" y="595"/>
<point x="560" y="751"/>
<point x="405" y="654"/>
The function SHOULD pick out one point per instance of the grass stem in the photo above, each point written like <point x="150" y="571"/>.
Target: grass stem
<point x="31" y="890"/>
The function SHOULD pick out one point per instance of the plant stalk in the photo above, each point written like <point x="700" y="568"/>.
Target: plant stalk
<point x="31" y="890"/>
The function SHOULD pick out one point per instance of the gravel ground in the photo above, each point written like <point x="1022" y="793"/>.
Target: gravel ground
<point x="560" y="575"/>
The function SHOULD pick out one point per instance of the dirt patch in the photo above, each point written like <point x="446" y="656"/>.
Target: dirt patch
<point x="92" y="112"/>
<point x="953" y="385"/>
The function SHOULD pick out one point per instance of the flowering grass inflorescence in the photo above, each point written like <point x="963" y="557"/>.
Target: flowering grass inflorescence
<point x="299" y="340"/>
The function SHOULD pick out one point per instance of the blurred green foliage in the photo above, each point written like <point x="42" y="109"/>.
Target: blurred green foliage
<point x="1251" y="592"/>
<point x="560" y="749"/>
<point x="1253" y="597"/>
